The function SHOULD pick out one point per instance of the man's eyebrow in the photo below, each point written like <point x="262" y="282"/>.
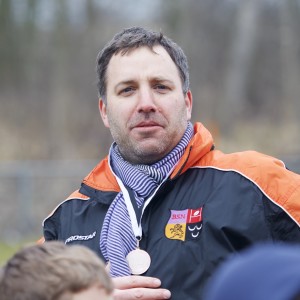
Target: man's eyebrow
<point x="125" y="82"/>
<point x="162" y="79"/>
<point x="133" y="82"/>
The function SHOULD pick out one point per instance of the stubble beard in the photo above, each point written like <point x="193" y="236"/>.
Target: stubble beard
<point x="139" y="153"/>
<point x="145" y="151"/>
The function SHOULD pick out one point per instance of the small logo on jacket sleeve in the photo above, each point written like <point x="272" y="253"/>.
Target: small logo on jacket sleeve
<point x="80" y="237"/>
<point x="184" y="224"/>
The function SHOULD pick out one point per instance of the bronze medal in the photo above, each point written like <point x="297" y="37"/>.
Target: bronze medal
<point x="139" y="261"/>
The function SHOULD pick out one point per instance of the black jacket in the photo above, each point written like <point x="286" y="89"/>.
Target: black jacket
<point x="211" y="206"/>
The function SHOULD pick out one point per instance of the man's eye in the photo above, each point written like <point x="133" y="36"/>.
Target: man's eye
<point x="127" y="91"/>
<point x="160" y="87"/>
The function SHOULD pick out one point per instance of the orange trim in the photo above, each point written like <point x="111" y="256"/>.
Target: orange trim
<point x="77" y="195"/>
<point x="101" y="178"/>
<point x="74" y="195"/>
<point x="199" y="145"/>
<point x="279" y="184"/>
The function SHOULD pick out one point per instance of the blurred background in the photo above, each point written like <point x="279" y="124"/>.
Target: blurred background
<point x="244" y="58"/>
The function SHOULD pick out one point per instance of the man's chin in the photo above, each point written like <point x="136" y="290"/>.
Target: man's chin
<point x="146" y="156"/>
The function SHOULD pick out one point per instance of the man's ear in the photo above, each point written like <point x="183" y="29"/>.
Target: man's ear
<point x="189" y="104"/>
<point x="103" y="112"/>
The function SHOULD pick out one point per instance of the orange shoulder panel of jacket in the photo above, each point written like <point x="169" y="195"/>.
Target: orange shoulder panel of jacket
<point x="268" y="173"/>
<point x="102" y="178"/>
<point x="200" y="144"/>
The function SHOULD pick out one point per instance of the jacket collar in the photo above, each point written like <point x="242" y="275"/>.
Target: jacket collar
<point x="200" y="144"/>
<point x="102" y="178"/>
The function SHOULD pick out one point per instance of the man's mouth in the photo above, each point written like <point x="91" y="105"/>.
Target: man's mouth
<point x="147" y="124"/>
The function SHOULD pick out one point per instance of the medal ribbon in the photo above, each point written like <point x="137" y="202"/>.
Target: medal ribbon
<point x="135" y="221"/>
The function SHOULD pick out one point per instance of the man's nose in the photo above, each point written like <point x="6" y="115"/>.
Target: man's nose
<point x="146" y="100"/>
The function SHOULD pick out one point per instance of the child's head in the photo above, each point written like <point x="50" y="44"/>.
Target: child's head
<point x="54" y="271"/>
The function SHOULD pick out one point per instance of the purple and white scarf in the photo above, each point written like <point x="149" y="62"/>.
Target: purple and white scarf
<point x="117" y="236"/>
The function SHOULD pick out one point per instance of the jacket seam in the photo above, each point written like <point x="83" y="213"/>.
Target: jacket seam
<point x="59" y="205"/>
<point x="292" y="191"/>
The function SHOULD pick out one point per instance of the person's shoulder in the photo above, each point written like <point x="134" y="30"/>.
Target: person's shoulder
<point x="76" y="195"/>
<point x="64" y="209"/>
<point x="101" y="177"/>
<point x="254" y="158"/>
<point x="238" y="160"/>
<point x="266" y="172"/>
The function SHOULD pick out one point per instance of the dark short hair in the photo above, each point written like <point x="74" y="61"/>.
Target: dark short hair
<point x="133" y="38"/>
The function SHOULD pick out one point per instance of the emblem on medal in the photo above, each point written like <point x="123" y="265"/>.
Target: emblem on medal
<point x="139" y="261"/>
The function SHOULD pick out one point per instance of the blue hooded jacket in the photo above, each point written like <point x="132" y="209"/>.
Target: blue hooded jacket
<point x="263" y="272"/>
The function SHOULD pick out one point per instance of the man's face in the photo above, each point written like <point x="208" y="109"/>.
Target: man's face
<point x="146" y="110"/>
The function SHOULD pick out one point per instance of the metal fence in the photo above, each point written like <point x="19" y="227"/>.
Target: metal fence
<point x="29" y="190"/>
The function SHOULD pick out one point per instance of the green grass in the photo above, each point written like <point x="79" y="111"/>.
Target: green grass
<point x="7" y="250"/>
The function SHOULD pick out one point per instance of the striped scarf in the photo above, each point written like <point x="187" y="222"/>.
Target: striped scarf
<point x="117" y="237"/>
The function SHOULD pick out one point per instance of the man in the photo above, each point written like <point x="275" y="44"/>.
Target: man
<point x="54" y="271"/>
<point x="164" y="204"/>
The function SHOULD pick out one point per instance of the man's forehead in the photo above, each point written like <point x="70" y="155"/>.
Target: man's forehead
<point x="132" y="52"/>
<point x="142" y="63"/>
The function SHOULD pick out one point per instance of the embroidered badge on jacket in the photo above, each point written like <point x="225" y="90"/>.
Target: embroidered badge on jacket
<point x="184" y="224"/>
